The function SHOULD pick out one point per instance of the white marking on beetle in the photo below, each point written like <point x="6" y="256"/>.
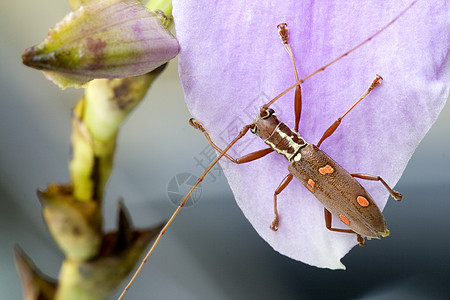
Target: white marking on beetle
<point x="289" y="154"/>
<point x="298" y="157"/>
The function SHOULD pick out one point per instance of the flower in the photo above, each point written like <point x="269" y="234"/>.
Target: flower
<point x="233" y="62"/>
<point x="103" y="39"/>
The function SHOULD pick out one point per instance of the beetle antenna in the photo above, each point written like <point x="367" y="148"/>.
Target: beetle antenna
<point x="266" y="106"/>
<point x="175" y="213"/>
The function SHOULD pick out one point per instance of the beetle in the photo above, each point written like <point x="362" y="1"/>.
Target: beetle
<point x="338" y="190"/>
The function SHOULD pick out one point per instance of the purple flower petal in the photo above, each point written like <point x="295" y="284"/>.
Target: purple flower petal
<point x="232" y="61"/>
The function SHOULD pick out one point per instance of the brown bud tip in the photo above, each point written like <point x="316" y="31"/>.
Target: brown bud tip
<point x="36" y="285"/>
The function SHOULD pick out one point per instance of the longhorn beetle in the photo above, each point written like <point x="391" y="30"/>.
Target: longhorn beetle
<point x="339" y="192"/>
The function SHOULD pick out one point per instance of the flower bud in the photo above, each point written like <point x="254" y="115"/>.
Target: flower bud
<point x="35" y="284"/>
<point x="75" y="225"/>
<point x="103" y="39"/>
<point x="97" y="278"/>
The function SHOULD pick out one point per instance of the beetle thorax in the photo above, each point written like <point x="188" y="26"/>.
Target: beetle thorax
<point x="278" y="135"/>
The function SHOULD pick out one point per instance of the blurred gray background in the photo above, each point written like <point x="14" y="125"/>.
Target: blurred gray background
<point x="210" y="251"/>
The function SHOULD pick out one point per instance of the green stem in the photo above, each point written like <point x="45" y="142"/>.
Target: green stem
<point x="97" y="119"/>
<point x="162" y="5"/>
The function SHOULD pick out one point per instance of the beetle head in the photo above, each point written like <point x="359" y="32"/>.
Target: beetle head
<point x="265" y="123"/>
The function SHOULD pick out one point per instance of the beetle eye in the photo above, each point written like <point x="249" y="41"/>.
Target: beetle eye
<point x="268" y="114"/>
<point x="253" y="129"/>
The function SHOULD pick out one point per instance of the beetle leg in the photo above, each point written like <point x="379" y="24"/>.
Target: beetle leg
<point x="376" y="82"/>
<point x="283" y="31"/>
<point x="396" y="195"/>
<point x="328" y="217"/>
<point x="243" y="132"/>
<point x="284" y="183"/>
<point x="297" y="106"/>
<point x="240" y="160"/>
<point x="251" y="156"/>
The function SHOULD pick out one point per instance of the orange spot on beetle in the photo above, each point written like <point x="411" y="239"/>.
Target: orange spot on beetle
<point x="344" y="219"/>
<point x="362" y="201"/>
<point x="326" y="170"/>
<point x="310" y="185"/>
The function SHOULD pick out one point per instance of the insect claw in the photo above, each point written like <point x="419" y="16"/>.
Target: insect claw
<point x="275" y="224"/>
<point x="376" y="82"/>
<point x="283" y="31"/>
<point x="379" y="79"/>
<point x="397" y="196"/>
<point x="360" y="240"/>
<point x="196" y="124"/>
